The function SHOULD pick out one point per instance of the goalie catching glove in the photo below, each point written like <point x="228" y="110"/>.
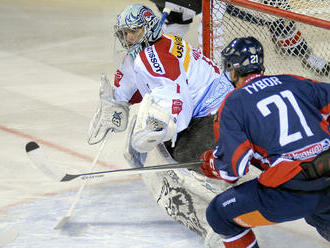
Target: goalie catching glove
<point x="110" y="116"/>
<point x="153" y="126"/>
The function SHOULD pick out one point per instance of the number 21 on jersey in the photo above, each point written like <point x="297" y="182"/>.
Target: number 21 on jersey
<point x="277" y="99"/>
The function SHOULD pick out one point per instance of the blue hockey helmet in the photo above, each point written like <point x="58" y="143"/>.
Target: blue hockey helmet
<point x="133" y="17"/>
<point x="243" y="55"/>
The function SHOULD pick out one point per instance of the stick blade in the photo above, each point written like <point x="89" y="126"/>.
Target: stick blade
<point x="69" y="177"/>
<point x="41" y="162"/>
<point x="31" y="146"/>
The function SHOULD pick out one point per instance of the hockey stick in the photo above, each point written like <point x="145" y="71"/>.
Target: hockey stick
<point x="39" y="159"/>
<point x="131" y="171"/>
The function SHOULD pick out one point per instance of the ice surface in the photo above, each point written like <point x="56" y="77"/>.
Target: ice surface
<point x="119" y="214"/>
<point x="52" y="54"/>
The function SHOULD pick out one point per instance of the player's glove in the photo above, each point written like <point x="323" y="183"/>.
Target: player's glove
<point x="208" y="167"/>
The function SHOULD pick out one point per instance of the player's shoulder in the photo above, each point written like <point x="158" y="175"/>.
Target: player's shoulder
<point x="158" y="61"/>
<point x="233" y="99"/>
<point x="296" y="78"/>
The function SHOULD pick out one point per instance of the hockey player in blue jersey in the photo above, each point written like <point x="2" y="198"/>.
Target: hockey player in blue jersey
<point x="279" y="124"/>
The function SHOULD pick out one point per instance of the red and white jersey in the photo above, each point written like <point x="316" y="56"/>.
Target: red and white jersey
<point x="180" y="79"/>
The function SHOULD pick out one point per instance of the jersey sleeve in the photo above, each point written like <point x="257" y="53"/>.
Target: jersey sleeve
<point x="233" y="150"/>
<point x="125" y="81"/>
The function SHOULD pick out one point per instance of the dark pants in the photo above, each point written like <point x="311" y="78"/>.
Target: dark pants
<point x="197" y="138"/>
<point x="252" y="204"/>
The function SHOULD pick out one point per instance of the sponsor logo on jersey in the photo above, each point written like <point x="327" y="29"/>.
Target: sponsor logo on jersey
<point x="118" y="76"/>
<point x="178" y="51"/>
<point x="178" y="47"/>
<point x="176" y="106"/>
<point x="308" y="151"/>
<point x="154" y="60"/>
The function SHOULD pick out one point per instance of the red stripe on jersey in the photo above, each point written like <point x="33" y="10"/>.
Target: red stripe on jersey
<point x="302" y="78"/>
<point x="325" y="123"/>
<point x="238" y="154"/>
<point x="325" y="110"/>
<point x="217" y="118"/>
<point x="178" y="88"/>
<point x="280" y="173"/>
<point x="169" y="62"/>
<point x="260" y="150"/>
<point x="216" y="124"/>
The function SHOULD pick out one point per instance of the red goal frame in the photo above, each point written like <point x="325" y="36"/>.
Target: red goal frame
<point x="207" y="6"/>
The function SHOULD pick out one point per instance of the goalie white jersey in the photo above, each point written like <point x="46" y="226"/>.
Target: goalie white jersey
<point x="178" y="77"/>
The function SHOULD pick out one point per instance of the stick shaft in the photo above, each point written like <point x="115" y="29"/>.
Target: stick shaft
<point x="132" y="171"/>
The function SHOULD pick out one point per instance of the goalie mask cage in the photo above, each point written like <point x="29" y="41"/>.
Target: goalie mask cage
<point x="295" y="33"/>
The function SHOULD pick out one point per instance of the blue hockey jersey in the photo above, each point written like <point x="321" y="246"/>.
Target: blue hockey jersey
<point x="275" y="122"/>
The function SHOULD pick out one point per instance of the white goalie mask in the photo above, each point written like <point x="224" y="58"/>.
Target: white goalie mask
<point x="139" y="18"/>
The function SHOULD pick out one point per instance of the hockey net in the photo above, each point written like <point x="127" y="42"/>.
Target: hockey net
<point x="295" y="33"/>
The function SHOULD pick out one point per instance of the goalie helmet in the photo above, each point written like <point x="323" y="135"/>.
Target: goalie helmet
<point x="243" y="55"/>
<point x="133" y="17"/>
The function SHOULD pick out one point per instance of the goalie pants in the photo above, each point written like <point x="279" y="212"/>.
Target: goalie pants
<point x="252" y="204"/>
<point x="197" y="138"/>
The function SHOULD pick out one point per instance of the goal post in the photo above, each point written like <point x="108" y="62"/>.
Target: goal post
<point x="294" y="33"/>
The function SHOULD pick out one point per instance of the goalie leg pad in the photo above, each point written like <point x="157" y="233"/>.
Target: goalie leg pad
<point x="153" y="126"/>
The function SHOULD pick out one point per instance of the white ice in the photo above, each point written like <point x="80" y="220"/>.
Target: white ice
<point x="52" y="54"/>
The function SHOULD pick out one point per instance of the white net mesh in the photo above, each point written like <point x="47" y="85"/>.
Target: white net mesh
<point x="290" y="47"/>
